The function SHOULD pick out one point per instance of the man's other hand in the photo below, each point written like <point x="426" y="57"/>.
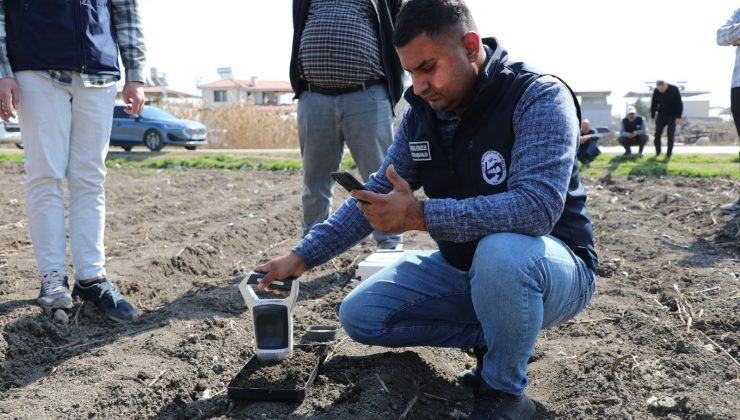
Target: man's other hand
<point x="9" y="97"/>
<point x="133" y="97"/>
<point x="289" y="265"/>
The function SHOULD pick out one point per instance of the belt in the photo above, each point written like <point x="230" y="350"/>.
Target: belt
<point x="341" y="91"/>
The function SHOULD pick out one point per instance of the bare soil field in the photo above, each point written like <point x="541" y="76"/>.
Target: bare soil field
<point x="660" y="339"/>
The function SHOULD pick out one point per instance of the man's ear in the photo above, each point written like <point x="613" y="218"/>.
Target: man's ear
<point x="471" y="43"/>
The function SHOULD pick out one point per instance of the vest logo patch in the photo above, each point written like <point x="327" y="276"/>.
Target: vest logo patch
<point x="493" y="167"/>
<point x="420" y="150"/>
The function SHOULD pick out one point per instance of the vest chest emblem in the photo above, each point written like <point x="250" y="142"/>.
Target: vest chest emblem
<point x="493" y="167"/>
<point x="420" y="150"/>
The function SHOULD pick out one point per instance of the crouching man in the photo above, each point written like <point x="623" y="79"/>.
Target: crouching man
<point x="493" y="144"/>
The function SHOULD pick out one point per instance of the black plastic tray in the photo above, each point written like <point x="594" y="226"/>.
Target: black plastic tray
<point x="276" y="394"/>
<point x="321" y="333"/>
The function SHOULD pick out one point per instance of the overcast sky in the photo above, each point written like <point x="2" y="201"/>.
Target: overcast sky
<point x="592" y="44"/>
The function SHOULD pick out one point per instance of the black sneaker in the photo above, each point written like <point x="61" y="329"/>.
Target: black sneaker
<point x="471" y="377"/>
<point x="106" y="297"/>
<point x="731" y="208"/>
<point x="492" y="404"/>
<point x="54" y="293"/>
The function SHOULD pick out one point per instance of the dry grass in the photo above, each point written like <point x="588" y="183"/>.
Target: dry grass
<point x="245" y="127"/>
<point x="275" y="127"/>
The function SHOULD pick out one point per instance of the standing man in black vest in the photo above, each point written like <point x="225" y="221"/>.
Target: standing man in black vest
<point x="58" y="68"/>
<point x="668" y="106"/>
<point x="493" y="144"/>
<point x="347" y="78"/>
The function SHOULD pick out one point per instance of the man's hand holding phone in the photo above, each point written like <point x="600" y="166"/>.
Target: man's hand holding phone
<point x="395" y="212"/>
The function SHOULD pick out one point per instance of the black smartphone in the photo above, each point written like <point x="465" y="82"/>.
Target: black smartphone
<point x="349" y="182"/>
<point x="346" y="180"/>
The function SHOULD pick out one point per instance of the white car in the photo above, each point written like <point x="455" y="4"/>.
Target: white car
<point x="10" y="132"/>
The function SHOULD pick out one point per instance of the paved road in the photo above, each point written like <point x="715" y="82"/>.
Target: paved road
<point x="677" y="150"/>
<point x="609" y="150"/>
<point x="295" y="153"/>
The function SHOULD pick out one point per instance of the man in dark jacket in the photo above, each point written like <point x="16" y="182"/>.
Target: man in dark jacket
<point x="668" y="106"/>
<point x="347" y="78"/>
<point x="66" y="73"/>
<point x="493" y="144"/>
<point x="588" y="143"/>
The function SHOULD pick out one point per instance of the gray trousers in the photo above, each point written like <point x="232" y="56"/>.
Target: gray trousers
<point x="362" y="119"/>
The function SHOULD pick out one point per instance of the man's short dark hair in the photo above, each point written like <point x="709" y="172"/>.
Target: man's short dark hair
<point x="431" y="17"/>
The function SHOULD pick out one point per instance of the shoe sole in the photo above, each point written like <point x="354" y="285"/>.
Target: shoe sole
<point x="55" y="305"/>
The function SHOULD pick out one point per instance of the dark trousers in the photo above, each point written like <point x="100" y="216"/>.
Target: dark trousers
<point x="735" y="107"/>
<point x="588" y="151"/>
<point x="627" y="142"/>
<point x="660" y="123"/>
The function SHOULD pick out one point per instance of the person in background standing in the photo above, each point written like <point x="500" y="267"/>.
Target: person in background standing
<point x="58" y="68"/>
<point x="668" y="106"/>
<point x="588" y="143"/>
<point x="347" y="78"/>
<point x="633" y="132"/>
<point x="729" y="35"/>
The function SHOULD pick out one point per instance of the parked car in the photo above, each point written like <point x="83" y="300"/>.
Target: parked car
<point x="154" y="128"/>
<point x="10" y="132"/>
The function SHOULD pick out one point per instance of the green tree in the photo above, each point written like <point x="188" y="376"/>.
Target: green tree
<point x="642" y="108"/>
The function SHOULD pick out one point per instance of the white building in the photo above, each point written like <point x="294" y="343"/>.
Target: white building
<point x="254" y="91"/>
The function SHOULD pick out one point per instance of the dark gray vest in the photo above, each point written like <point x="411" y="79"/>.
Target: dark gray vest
<point x="482" y="143"/>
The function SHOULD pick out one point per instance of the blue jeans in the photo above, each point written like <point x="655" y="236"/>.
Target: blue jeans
<point x="364" y="120"/>
<point x="516" y="286"/>
<point x="588" y="151"/>
<point x="662" y="122"/>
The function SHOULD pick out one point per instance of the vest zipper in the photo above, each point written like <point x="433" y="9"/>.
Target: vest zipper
<point x="471" y="160"/>
<point x="80" y="47"/>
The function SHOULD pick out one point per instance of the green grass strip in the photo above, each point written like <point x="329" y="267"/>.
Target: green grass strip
<point x="12" y="157"/>
<point x="694" y="166"/>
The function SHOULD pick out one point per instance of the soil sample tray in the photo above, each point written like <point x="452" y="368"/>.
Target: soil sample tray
<point x="286" y="380"/>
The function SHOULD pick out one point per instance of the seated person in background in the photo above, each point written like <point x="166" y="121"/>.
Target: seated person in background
<point x="633" y="132"/>
<point x="588" y="146"/>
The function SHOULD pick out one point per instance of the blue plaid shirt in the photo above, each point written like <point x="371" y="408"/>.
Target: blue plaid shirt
<point x="130" y="43"/>
<point x="546" y="129"/>
<point x="727" y="35"/>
